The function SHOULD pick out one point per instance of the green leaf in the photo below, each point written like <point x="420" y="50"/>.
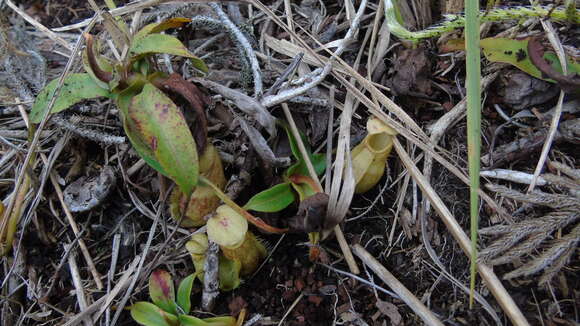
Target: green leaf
<point x="174" y="22"/>
<point x="184" y="293"/>
<point x="185" y="320"/>
<point x="318" y="160"/>
<point x="229" y="273"/>
<point x="162" y="292"/>
<point x="304" y="190"/>
<point x="221" y="321"/>
<point x="75" y="88"/>
<point x="272" y="200"/>
<point x="515" y="52"/>
<point x="148" y="314"/>
<point x="161" y="43"/>
<point x="300" y="168"/>
<point x="159" y="127"/>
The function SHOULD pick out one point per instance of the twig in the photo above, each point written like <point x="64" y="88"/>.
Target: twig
<point x="245" y="103"/>
<point x="249" y="52"/>
<point x="285" y="74"/>
<point x="362" y="280"/>
<point x="94" y="135"/>
<point x="111" y="274"/>
<point x="210" y="279"/>
<point x="404" y="294"/>
<point x="514" y="176"/>
<point x="281" y="322"/>
<point x="77" y="282"/>
<point x="106" y="300"/>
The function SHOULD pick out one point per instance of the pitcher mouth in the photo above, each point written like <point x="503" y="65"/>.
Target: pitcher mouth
<point x="379" y="143"/>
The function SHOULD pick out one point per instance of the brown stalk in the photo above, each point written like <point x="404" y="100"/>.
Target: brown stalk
<point x="99" y="73"/>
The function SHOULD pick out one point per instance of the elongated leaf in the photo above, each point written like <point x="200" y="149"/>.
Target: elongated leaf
<point x="185" y="320"/>
<point x="272" y="200"/>
<point x="515" y="52"/>
<point x="76" y="88"/>
<point x="300" y="168"/>
<point x="162" y="292"/>
<point x="174" y="22"/>
<point x="148" y="314"/>
<point x="220" y="321"/>
<point x="318" y="160"/>
<point x="158" y="123"/>
<point x="184" y="293"/>
<point x="161" y="43"/>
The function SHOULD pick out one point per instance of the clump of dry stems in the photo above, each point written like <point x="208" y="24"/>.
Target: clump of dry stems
<point x="534" y="239"/>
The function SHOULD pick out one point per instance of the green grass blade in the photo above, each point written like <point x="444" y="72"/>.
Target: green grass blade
<point x="473" y="68"/>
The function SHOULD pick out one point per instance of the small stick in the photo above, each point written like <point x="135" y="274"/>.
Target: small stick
<point x="78" y="284"/>
<point x="407" y="296"/>
<point x="249" y="52"/>
<point x="210" y="279"/>
<point x="291" y="308"/>
<point x="111" y="275"/>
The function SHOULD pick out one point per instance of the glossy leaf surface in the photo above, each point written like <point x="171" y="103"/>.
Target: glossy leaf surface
<point x="148" y="314"/>
<point x="153" y="28"/>
<point x="271" y="200"/>
<point x="184" y="293"/>
<point x="161" y="43"/>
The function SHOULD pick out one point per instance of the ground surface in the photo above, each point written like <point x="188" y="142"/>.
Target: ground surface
<point x="385" y="220"/>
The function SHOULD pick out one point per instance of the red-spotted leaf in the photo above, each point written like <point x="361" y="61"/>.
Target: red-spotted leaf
<point x="162" y="292"/>
<point x="184" y="293"/>
<point x="271" y="200"/>
<point x="161" y="43"/>
<point x="157" y="124"/>
<point x="75" y="88"/>
<point x="148" y="314"/>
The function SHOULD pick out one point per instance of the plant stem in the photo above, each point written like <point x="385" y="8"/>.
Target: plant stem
<point x="473" y="125"/>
